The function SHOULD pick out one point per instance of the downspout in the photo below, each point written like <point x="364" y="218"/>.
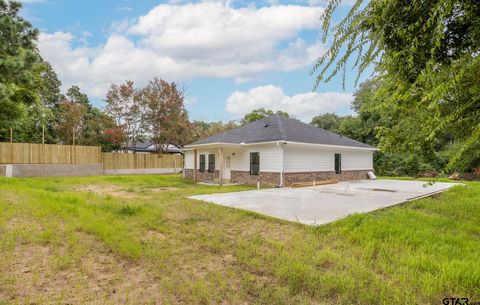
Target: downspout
<point x="183" y="167"/>
<point x="283" y="159"/>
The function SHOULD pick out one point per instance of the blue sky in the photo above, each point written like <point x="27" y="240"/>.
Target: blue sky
<point x="231" y="57"/>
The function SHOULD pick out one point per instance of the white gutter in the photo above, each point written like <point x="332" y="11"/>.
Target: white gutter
<point x="190" y="147"/>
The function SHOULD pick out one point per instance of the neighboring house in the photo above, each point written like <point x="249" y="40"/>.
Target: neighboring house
<point x="277" y="151"/>
<point x="149" y="147"/>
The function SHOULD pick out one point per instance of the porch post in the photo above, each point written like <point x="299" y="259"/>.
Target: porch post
<point x="222" y="165"/>
<point x="194" y="166"/>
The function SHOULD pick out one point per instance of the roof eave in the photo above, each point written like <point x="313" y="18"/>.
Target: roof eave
<point x="334" y="146"/>
<point x="206" y="145"/>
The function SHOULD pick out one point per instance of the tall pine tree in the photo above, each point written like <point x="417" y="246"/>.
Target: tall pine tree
<point x="18" y="63"/>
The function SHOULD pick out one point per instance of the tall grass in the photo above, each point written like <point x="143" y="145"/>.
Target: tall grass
<point x="198" y="253"/>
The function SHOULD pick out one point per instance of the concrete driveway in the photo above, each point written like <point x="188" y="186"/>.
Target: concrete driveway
<point x="326" y="203"/>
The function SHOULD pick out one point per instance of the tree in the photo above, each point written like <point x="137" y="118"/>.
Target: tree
<point x="201" y="129"/>
<point x="112" y="139"/>
<point x="124" y="104"/>
<point x="75" y="95"/>
<point x="42" y="112"/>
<point x="327" y="121"/>
<point x="18" y="61"/>
<point x="29" y="128"/>
<point x="260" y="113"/>
<point x="94" y="125"/>
<point x="426" y="57"/>
<point x="49" y="87"/>
<point x="76" y="115"/>
<point x="45" y="112"/>
<point x="69" y="121"/>
<point x="165" y="113"/>
<point x="362" y="126"/>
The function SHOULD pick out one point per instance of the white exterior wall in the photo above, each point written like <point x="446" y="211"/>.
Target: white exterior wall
<point x="357" y="160"/>
<point x="311" y="158"/>
<point x="205" y="152"/>
<point x="294" y="158"/>
<point x="270" y="158"/>
<point x="189" y="158"/>
<point x="308" y="158"/>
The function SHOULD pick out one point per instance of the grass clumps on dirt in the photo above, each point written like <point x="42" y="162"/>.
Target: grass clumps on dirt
<point x="140" y="240"/>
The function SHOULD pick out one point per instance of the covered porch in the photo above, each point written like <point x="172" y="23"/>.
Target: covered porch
<point x="212" y="163"/>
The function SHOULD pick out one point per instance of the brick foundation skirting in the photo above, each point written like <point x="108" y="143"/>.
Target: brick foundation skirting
<point x="202" y="176"/>
<point x="354" y="175"/>
<point x="289" y="178"/>
<point x="265" y="178"/>
<point x="273" y="179"/>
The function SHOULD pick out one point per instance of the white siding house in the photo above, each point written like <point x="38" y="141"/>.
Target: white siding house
<point x="277" y="151"/>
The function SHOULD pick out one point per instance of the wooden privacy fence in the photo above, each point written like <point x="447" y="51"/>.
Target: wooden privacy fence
<point x="140" y="161"/>
<point x="28" y="153"/>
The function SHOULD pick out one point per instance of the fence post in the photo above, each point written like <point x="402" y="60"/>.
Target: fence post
<point x="11" y="152"/>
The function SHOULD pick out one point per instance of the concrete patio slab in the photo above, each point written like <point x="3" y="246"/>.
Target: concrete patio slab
<point x="326" y="203"/>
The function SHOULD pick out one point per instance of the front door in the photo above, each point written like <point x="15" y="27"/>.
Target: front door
<point x="228" y="165"/>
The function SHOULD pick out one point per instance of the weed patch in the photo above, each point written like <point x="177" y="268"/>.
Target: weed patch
<point x="140" y="240"/>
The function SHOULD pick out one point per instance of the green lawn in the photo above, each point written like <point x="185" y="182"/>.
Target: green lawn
<point x="140" y="240"/>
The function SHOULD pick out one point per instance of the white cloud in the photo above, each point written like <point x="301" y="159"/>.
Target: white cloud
<point x="302" y="105"/>
<point x="186" y="41"/>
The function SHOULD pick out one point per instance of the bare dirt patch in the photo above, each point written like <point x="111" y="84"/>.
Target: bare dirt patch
<point x="153" y="236"/>
<point x="162" y="189"/>
<point x="118" y="191"/>
<point x="106" y="189"/>
<point x="98" y="276"/>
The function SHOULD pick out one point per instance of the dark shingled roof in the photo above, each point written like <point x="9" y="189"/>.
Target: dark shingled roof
<point x="279" y="128"/>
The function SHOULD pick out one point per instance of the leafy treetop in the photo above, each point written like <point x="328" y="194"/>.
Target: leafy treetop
<point x="260" y="113"/>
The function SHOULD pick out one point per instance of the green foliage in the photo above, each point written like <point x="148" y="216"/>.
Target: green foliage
<point x="30" y="95"/>
<point x="364" y="126"/>
<point x="94" y="126"/>
<point x="260" y="113"/>
<point x="327" y="121"/>
<point x="165" y="115"/>
<point x="49" y="87"/>
<point x="18" y="63"/>
<point x="202" y="130"/>
<point x="75" y="95"/>
<point x="43" y="112"/>
<point x="426" y="58"/>
<point x="126" y="107"/>
<point x="75" y="114"/>
<point x="29" y="128"/>
<point x="29" y="87"/>
<point x="156" y="112"/>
